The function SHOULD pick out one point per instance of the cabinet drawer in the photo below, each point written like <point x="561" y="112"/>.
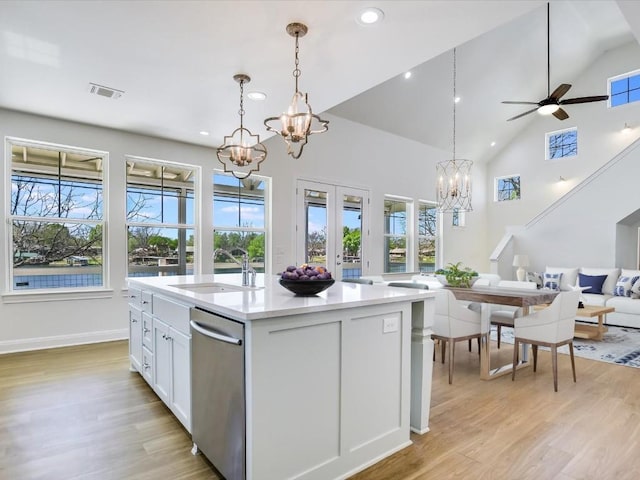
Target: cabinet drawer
<point x="147" y="366"/>
<point x="172" y="313"/>
<point x="146" y="301"/>
<point x="134" y="296"/>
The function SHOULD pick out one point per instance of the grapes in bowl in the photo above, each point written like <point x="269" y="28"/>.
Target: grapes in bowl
<point x="306" y="279"/>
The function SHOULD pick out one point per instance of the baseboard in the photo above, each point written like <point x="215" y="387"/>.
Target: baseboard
<point x="27" y="344"/>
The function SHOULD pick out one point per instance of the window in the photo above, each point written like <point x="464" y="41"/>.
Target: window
<point x="624" y="89"/>
<point x="562" y="143"/>
<point x="239" y="221"/>
<point x="427" y="236"/>
<point x="507" y="188"/>
<point x="56" y="216"/>
<point x="160" y="217"/>
<point x="457" y="218"/>
<point x="395" y="235"/>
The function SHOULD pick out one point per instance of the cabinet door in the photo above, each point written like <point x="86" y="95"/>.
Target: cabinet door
<point x="135" y="338"/>
<point x="162" y="360"/>
<point x="181" y="377"/>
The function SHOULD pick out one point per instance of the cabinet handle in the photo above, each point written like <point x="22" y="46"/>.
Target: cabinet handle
<point x="146" y="330"/>
<point x="133" y="320"/>
<point x="169" y="338"/>
<point x="133" y="296"/>
<point x="144" y="302"/>
<point x="164" y="336"/>
<point x="146" y="366"/>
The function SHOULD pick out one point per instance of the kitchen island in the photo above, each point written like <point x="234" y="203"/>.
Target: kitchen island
<point x="332" y="382"/>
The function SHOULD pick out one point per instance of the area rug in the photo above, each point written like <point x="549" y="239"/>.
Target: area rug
<point x="620" y="345"/>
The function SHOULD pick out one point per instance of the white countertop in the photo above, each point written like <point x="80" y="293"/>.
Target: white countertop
<point x="270" y="299"/>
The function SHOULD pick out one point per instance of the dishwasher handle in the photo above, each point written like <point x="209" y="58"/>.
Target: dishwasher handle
<point x="216" y="336"/>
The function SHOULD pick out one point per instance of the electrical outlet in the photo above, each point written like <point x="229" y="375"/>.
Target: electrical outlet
<point x="390" y="325"/>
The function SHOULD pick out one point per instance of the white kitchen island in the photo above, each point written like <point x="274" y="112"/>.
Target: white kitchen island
<point x="333" y="382"/>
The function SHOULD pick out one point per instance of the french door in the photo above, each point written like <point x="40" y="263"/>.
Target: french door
<point x="332" y="228"/>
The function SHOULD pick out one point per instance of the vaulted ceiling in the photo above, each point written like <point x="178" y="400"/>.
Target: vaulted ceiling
<point x="175" y="61"/>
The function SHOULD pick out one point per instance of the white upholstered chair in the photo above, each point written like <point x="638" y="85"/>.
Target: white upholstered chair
<point x="453" y="322"/>
<point x="503" y="315"/>
<point x="551" y="327"/>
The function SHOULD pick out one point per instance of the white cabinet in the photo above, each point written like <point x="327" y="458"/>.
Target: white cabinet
<point x="171" y="342"/>
<point x="135" y="337"/>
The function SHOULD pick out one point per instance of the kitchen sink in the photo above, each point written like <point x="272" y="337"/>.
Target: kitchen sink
<point x="213" y="287"/>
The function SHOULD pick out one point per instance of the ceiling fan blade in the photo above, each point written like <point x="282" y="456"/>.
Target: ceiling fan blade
<point x="520" y="103"/>
<point x="522" y="114"/>
<point x="560" y="114"/>
<point x="560" y="91"/>
<point x="595" y="98"/>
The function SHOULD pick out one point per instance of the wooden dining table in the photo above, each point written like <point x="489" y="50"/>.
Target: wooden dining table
<point x="514" y="297"/>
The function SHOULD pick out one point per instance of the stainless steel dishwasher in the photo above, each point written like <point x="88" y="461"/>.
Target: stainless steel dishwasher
<point x="218" y="391"/>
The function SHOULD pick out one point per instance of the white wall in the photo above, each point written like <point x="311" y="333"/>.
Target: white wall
<point x="349" y="154"/>
<point x="599" y="139"/>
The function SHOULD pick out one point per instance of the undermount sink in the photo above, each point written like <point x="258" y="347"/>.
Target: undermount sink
<point x="213" y="287"/>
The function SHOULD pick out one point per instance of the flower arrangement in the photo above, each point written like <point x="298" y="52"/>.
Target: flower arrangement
<point x="455" y="275"/>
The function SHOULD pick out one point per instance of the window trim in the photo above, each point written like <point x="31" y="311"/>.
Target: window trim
<point x="409" y="232"/>
<point x="9" y="294"/>
<point x="610" y="80"/>
<point x="436" y="236"/>
<point x="547" y="138"/>
<point x="495" y="188"/>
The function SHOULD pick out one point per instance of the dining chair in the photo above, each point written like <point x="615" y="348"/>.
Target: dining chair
<point x="551" y="327"/>
<point x="364" y="281"/>
<point x="420" y="286"/>
<point x="503" y="315"/>
<point x="453" y="322"/>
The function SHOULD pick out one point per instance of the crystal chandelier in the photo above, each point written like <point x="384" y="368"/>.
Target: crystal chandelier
<point x="241" y="153"/>
<point x="453" y="190"/>
<point x="299" y="122"/>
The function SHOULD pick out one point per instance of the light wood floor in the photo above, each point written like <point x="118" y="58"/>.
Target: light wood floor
<point x="78" y="413"/>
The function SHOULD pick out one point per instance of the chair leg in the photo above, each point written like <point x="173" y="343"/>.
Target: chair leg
<point x="573" y="363"/>
<point x="469" y="344"/>
<point x="535" y="356"/>
<point x="515" y="359"/>
<point x="478" y="346"/>
<point x="443" y="348"/>
<point x="554" y="362"/>
<point x="499" y="334"/>
<point x="452" y="351"/>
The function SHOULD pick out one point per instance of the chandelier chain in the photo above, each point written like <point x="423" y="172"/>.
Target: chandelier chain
<point x="454" y="104"/>
<point x="241" y="111"/>
<point x="296" y="71"/>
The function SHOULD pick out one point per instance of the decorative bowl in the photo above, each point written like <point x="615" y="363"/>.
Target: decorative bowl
<point x="443" y="280"/>
<point x="306" y="287"/>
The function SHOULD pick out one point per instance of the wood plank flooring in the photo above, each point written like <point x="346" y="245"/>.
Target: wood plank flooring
<point x="78" y="413"/>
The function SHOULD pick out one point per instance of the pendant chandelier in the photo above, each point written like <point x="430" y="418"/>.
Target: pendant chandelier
<point x="241" y="153"/>
<point x="299" y="122"/>
<point x="453" y="190"/>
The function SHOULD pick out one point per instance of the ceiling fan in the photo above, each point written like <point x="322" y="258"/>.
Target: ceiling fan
<point x="552" y="104"/>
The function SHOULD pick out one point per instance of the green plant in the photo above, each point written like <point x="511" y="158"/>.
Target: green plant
<point x="457" y="275"/>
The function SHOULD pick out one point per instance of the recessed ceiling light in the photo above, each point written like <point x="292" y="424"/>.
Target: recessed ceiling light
<point x="493" y="144"/>
<point x="370" y="15"/>
<point x="456" y="100"/>
<point x="206" y="134"/>
<point x="259" y="96"/>
<point x="407" y="75"/>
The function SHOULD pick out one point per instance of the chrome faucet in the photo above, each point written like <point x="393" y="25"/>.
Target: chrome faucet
<point x="248" y="272"/>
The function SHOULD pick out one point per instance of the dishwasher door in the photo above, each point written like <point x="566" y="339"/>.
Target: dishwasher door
<point x="218" y="391"/>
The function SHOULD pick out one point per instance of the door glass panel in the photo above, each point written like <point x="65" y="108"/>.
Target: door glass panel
<point x="351" y="236"/>
<point x="315" y="203"/>
<point x="395" y="245"/>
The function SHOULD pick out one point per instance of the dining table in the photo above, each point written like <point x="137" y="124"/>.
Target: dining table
<point x="515" y="297"/>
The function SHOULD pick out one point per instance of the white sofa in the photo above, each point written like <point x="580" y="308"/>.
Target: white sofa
<point x="627" y="311"/>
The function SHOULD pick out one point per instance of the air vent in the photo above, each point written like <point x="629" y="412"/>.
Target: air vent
<point x="103" y="91"/>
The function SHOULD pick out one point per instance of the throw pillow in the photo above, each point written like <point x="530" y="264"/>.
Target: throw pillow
<point x="595" y="282"/>
<point x="635" y="290"/>
<point x="623" y="286"/>
<point x="552" y="280"/>
<point x="536" y="278"/>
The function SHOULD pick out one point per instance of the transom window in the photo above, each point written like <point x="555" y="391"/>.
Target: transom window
<point x="562" y="143"/>
<point x="624" y="89"/>
<point x="507" y="188"/>
<point x="56" y="216"/>
<point x="239" y="220"/>
<point x="395" y="235"/>
<point x="160" y="217"/>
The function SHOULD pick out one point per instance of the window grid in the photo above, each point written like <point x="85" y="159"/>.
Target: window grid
<point x="562" y="144"/>
<point x="427" y="236"/>
<point x="395" y="235"/>
<point x="507" y="188"/>
<point x="623" y="90"/>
